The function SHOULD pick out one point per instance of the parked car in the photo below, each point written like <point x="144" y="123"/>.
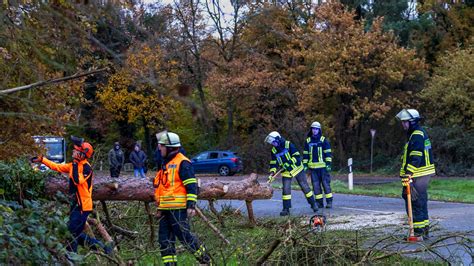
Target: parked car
<point x="221" y="162"/>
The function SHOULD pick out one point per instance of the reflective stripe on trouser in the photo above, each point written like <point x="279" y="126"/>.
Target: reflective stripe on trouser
<point x="420" y="204"/>
<point x="174" y="224"/>
<point x="321" y="182"/>
<point x="301" y="179"/>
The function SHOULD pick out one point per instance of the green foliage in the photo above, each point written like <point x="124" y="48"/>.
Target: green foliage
<point x="453" y="150"/>
<point x="34" y="233"/>
<point x="19" y="181"/>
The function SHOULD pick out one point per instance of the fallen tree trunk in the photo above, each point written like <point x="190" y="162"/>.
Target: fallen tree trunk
<point x="138" y="189"/>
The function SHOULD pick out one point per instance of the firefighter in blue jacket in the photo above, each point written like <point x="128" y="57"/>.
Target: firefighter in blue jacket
<point x="286" y="156"/>
<point x="417" y="168"/>
<point x="317" y="158"/>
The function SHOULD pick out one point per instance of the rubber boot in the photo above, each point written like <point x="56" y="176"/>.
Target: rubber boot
<point x="314" y="207"/>
<point x="320" y="203"/>
<point x="426" y="232"/>
<point x="285" y="212"/>
<point x="329" y="203"/>
<point x="205" y="260"/>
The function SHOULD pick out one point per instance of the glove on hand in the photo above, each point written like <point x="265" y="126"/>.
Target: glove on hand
<point x="37" y="159"/>
<point x="271" y="178"/>
<point x="328" y="167"/>
<point x="406" y="180"/>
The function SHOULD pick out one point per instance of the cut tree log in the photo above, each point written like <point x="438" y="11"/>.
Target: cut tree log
<point x="138" y="189"/>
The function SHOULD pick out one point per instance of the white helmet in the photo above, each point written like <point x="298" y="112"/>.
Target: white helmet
<point x="316" y="124"/>
<point x="408" y="115"/>
<point x="168" y="139"/>
<point x="272" y="137"/>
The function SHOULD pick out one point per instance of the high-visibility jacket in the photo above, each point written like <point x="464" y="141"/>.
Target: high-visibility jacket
<point x="317" y="152"/>
<point x="287" y="157"/>
<point x="80" y="180"/>
<point x="171" y="192"/>
<point x="417" y="159"/>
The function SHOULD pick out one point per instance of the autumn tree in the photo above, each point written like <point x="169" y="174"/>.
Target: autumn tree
<point x="351" y="78"/>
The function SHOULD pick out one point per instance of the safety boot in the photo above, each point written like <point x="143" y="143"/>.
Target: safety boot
<point x="426" y="232"/>
<point x="320" y="203"/>
<point x="314" y="207"/>
<point x="285" y="212"/>
<point x="328" y="203"/>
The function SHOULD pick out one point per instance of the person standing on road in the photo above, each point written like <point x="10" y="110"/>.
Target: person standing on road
<point x="80" y="192"/>
<point x="286" y="156"/>
<point x="116" y="160"/>
<point x="138" y="159"/>
<point x="176" y="196"/>
<point x="317" y="158"/>
<point x="417" y="168"/>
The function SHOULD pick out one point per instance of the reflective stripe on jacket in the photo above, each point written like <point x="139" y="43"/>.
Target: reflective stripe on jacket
<point x="170" y="192"/>
<point x="82" y="180"/>
<point x="317" y="153"/>
<point x="288" y="158"/>
<point x="417" y="158"/>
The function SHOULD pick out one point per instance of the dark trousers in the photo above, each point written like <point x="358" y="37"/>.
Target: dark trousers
<point x="77" y="221"/>
<point x="419" y="203"/>
<point x="174" y="224"/>
<point x="303" y="183"/>
<point x="115" y="171"/>
<point x="321" y="180"/>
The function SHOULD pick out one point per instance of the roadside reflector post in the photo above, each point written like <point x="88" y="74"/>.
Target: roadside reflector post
<point x="350" y="176"/>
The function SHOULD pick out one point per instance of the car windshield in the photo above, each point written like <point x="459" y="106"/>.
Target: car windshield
<point x="54" y="151"/>
<point x="202" y="156"/>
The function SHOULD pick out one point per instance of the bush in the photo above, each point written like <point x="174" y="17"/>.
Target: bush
<point x="19" y="181"/>
<point x="34" y="233"/>
<point x="453" y="150"/>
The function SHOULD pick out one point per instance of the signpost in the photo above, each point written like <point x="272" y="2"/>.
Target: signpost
<point x="372" y="133"/>
<point x="350" y="177"/>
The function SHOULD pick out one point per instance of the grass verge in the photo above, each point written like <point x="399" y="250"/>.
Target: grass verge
<point x="453" y="190"/>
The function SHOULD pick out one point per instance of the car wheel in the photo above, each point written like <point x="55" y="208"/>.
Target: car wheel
<point x="224" y="170"/>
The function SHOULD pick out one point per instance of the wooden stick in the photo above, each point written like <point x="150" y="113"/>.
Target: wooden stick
<point x="410" y="212"/>
<point x="101" y="229"/>
<point x="52" y="81"/>
<point x="150" y="222"/>
<point x="216" y="213"/>
<point x="125" y="232"/>
<point x="250" y="212"/>
<point x="269" y="251"/>
<point x="217" y="231"/>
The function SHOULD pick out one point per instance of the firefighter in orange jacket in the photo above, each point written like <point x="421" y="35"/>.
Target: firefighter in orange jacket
<point x="176" y="196"/>
<point x="80" y="191"/>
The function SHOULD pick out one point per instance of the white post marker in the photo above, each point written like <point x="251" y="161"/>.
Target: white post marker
<point x="350" y="177"/>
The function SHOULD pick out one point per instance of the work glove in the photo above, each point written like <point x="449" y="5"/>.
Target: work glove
<point x="305" y="168"/>
<point x="37" y="159"/>
<point x="328" y="167"/>
<point x="271" y="178"/>
<point x="406" y="180"/>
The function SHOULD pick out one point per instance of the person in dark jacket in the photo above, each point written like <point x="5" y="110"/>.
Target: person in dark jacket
<point x="116" y="160"/>
<point x="317" y="159"/>
<point x="285" y="155"/>
<point x="138" y="159"/>
<point x="417" y="168"/>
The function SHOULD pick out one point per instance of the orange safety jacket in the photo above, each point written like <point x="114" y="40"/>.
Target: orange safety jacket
<point x="170" y="192"/>
<point x="83" y="183"/>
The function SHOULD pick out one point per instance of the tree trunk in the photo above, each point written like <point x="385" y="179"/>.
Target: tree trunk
<point x="106" y="188"/>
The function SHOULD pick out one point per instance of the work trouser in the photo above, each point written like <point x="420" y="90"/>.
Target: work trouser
<point x="303" y="183"/>
<point x="77" y="222"/>
<point x="174" y="224"/>
<point x="115" y="171"/>
<point x="419" y="204"/>
<point x="321" y="180"/>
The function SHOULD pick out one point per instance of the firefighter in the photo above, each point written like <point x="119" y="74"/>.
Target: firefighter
<point x="80" y="191"/>
<point x="285" y="155"/>
<point x="176" y="196"/>
<point x="317" y="158"/>
<point x="417" y="168"/>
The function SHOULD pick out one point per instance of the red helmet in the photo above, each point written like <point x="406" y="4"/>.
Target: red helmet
<point x="82" y="150"/>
